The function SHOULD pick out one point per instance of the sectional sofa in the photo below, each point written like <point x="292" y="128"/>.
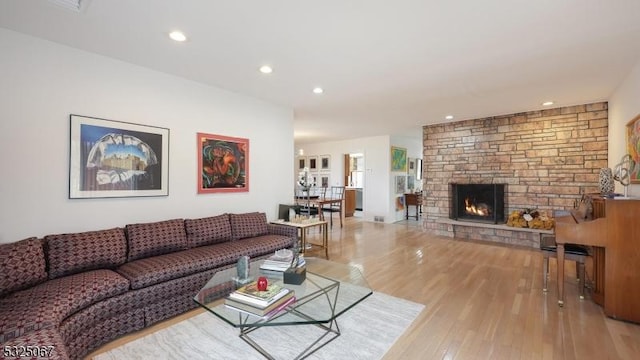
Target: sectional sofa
<point x="65" y="295"/>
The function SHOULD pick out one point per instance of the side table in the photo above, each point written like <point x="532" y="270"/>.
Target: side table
<point x="414" y="200"/>
<point x="302" y="233"/>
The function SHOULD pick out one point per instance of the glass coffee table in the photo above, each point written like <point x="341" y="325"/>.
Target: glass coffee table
<point x="329" y="290"/>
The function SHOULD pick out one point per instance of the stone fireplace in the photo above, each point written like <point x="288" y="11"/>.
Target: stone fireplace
<point x="477" y="202"/>
<point x="547" y="159"/>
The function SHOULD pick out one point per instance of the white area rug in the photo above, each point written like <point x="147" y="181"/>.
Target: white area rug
<point x="368" y="331"/>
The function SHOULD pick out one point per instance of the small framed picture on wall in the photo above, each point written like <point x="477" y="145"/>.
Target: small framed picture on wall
<point x="411" y="169"/>
<point x="325" y="180"/>
<point x="325" y="162"/>
<point x="398" y="159"/>
<point x="313" y="163"/>
<point x="401" y="184"/>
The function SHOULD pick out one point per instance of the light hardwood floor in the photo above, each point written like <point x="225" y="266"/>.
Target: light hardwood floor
<point x="482" y="301"/>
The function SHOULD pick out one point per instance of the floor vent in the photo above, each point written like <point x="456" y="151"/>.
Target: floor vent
<point x="378" y="218"/>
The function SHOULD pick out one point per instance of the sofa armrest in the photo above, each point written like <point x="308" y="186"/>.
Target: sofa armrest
<point x="284" y="230"/>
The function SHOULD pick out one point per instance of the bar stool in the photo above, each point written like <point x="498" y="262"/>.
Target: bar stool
<point x="572" y="252"/>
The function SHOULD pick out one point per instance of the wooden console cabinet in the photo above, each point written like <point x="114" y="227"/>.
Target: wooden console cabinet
<point x="349" y="202"/>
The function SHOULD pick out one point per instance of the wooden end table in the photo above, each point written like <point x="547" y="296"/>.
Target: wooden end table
<point x="302" y="233"/>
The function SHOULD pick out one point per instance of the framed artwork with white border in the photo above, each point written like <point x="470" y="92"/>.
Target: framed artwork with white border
<point x="411" y="168"/>
<point x="313" y="163"/>
<point x="325" y="179"/>
<point x="302" y="162"/>
<point x="401" y="184"/>
<point x="109" y="158"/>
<point x="325" y="162"/>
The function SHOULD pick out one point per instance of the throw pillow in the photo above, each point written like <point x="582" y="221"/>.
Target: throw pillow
<point x="22" y="265"/>
<point x="72" y="253"/>
<point x="248" y="225"/>
<point x="156" y="238"/>
<point x="207" y="231"/>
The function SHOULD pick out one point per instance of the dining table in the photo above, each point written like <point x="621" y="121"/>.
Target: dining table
<point x="319" y="203"/>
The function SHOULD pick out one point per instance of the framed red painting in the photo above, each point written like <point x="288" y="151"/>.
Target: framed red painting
<point x="223" y="164"/>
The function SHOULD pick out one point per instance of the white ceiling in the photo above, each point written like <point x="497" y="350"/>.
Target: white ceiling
<point x="387" y="67"/>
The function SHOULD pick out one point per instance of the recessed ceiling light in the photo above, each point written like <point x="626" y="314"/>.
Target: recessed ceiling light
<point x="449" y="117"/>
<point x="547" y="103"/>
<point x="266" y="69"/>
<point x="177" y="36"/>
<point x="318" y="90"/>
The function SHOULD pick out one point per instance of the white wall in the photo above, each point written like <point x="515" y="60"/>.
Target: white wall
<point x="624" y="105"/>
<point x="379" y="187"/>
<point x="43" y="82"/>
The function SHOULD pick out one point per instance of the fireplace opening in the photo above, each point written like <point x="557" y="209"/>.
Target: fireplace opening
<point x="477" y="202"/>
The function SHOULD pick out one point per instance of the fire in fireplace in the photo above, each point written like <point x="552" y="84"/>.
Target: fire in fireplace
<point x="477" y="202"/>
<point x="481" y="209"/>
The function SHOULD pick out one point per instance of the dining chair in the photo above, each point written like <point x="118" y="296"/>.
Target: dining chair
<point x="322" y="193"/>
<point x="337" y="193"/>
<point x="303" y="200"/>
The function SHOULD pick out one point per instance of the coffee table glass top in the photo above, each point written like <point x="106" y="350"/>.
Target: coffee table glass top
<point x="329" y="290"/>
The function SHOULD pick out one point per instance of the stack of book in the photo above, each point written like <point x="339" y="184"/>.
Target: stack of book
<point x="249" y="299"/>
<point x="276" y="265"/>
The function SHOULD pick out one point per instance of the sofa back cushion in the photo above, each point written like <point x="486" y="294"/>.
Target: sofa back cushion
<point x="248" y="225"/>
<point x="73" y="253"/>
<point x="207" y="231"/>
<point x="149" y="239"/>
<point x="22" y="264"/>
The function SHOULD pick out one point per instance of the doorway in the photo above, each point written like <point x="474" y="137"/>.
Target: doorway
<point x="355" y="181"/>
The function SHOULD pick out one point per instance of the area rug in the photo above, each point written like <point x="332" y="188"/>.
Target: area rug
<point x="368" y="332"/>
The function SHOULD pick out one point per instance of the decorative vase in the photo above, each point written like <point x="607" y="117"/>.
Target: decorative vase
<point x="605" y="183"/>
<point x="242" y="267"/>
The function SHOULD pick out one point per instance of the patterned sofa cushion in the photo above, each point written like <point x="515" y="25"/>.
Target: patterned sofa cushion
<point x="248" y="225"/>
<point x="102" y="322"/>
<point x="159" y="269"/>
<point x="72" y="253"/>
<point x="47" y="304"/>
<point x="263" y="245"/>
<point x="156" y="238"/>
<point x="89" y="317"/>
<point x="22" y="264"/>
<point x="207" y="231"/>
<point x="156" y="269"/>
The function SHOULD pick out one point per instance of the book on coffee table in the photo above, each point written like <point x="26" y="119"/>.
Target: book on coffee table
<point x="268" y="311"/>
<point x="275" y="265"/>
<point x="249" y="294"/>
<point x="280" y="265"/>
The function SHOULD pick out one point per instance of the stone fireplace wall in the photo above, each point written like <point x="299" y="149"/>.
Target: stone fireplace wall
<point x="548" y="158"/>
